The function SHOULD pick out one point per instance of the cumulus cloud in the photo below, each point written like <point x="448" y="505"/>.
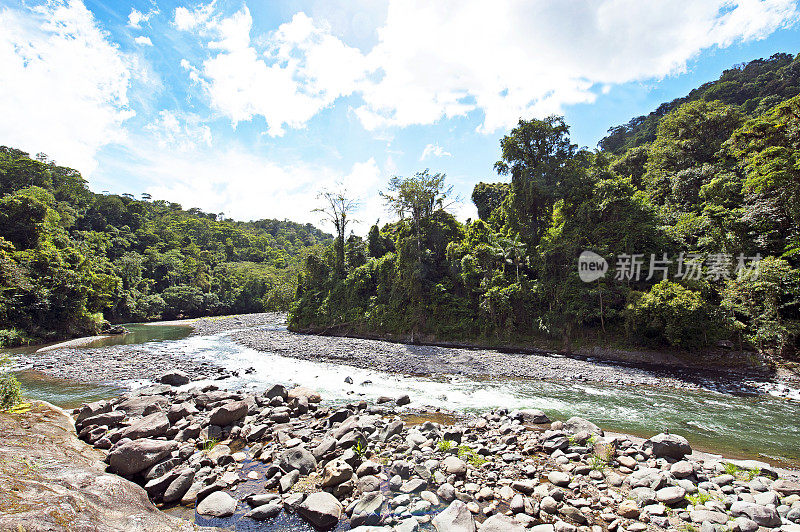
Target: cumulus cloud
<point x="296" y="72"/>
<point x="436" y="60"/>
<point x="434" y="150"/>
<point x="143" y="41"/>
<point x="63" y="83"/>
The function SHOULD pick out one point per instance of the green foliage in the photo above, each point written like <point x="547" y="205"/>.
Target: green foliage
<point x="10" y="393"/>
<point x="445" y="446"/>
<point x="487" y="197"/>
<point x="752" y="87"/>
<point x="701" y="497"/>
<point x="669" y="313"/>
<point x="597" y="463"/>
<point x="766" y="307"/>
<point x="71" y="259"/>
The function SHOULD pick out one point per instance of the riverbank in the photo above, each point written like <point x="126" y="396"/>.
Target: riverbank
<point x="288" y="459"/>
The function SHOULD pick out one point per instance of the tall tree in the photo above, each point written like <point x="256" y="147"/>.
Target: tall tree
<point x="337" y="208"/>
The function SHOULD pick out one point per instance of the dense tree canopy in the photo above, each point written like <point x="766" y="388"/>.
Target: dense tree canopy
<point x="71" y="259"/>
<point x="682" y="204"/>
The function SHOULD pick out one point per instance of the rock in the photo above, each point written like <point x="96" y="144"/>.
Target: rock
<point x="140" y="405"/>
<point x="367" y="510"/>
<point x="549" y="505"/>
<point x="743" y="524"/>
<point x="577" y="424"/>
<point x="446" y="492"/>
<point x="135" y="456"/>
<point x="702" y="516"/>
<point x="573" y="514"/>
<point x="454" y="466"/>
<point x="681" y="469"/>
<point x="668" y="446"/>
<point x="228" y="414"/>
<point x="297" y="458"/>
<point x="218" y="504"/>
<point x="455" y="518"/>
<point x="403" y="400"/>
<point x="648" y="477"/>
<point x="529" y="415"/>
<point x="413" y="486"/>
<point x="265" y="511"/>
<point x="88" y="410"/>
<point x="174" y="378"/>
<point x="786" y="487"/>
<point x="501" y="523"/>
<point x="261" y="499"/>
<point x="628" y="509"/>
<point x="670" y="495"/>
<point x="51" y="480"/>
<point x="277" y="390"/>
<point x="288" y="480"/>
<point x="321" y="509"/>
<point x="178" y="487"/>
<point x="559" y="478"/>
<point x="179" y="411"/>
<point x="310" y="395"/>
<point x="368" y="483"/>
<point x="336" y="472"/>
<point x="762" y="515"/>
<point x="150" y="426"/>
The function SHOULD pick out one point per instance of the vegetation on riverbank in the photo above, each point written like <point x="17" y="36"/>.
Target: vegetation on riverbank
<point x="70" y="259"/>
<point x="715" y="184"/>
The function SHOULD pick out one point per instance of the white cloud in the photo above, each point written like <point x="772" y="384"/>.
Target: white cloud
<point x="63" y="83"/>
<point x="246" y="185"/>
<point x="436" y="60"/>
<point x="136" y="17"/>
<point x="288" y="78"/>
<point x="434" y="150"/>
<point x="513" y="59"/>
<point x="144" y="41"/>
<point x="183" y="132"/>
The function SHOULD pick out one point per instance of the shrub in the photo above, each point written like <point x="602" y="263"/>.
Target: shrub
<point x="10" y="393"/>
<point x="673" y="315"/>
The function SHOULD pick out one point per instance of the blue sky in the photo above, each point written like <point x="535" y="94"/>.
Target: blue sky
<point x="250" y="108"/>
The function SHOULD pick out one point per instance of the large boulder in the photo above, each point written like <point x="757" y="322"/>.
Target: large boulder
<point x="88" y="410"/>
<point x="576" y="424"/>
<point x="455" y="518"/>
<point x="228" y="414"/>
<point x="218" y="504"/>
<point x="668" y="446"/>
<point x="321" y="509"/>
<point x="336" y="472"/>
<point x="151" y="426"/>
<point x="137" y="455"/>
<point x="140" y="405"/>
<point x="68" y="487"/>
<point x="298" y="458"/>
<point x="454" y="466"/>
<point x="174" y="378"/>
<point x="178" y="487"/>
<point x="786" y="487"/>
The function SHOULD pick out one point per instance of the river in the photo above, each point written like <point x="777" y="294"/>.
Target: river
<point x="758" y="426"/>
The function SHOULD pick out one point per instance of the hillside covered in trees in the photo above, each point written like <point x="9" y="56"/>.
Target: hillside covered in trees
<point x="71" y="259"/>
<point x="706" y="189"/>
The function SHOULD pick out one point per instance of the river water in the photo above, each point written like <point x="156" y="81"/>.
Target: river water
<point x="742" y="426"/>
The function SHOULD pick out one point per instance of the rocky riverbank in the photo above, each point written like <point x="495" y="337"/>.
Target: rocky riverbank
<point x="285" y="456"/>
<point x="267" y="333"/>
<point x="50" y="480"/>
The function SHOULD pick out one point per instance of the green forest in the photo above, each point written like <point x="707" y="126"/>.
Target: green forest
<point x="73" y="261"/>
<point x="710" y="181"/>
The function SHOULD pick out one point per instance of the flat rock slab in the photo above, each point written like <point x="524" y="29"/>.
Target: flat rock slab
<point x="45" y="468"/>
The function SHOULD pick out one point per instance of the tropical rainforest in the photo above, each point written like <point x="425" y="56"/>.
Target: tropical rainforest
<point x="711" y="179"/>
<point x="73" y="261"/>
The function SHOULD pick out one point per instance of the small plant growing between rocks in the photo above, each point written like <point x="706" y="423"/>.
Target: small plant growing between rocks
<point x="207" y="445"/>
<point x="467" y="454"/>
<point x="701" y="497"/>
<point x="598" y="463"/>
<point x="360" y="447"/>
<point x="741" y="473"/>
<point x="445" y="446"/>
